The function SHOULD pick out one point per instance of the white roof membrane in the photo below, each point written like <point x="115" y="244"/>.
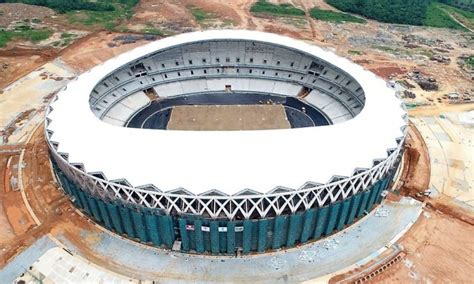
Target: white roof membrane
<point x="228" y="161"/>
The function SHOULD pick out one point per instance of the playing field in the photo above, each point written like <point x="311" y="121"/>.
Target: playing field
<point x="228" y="117"/>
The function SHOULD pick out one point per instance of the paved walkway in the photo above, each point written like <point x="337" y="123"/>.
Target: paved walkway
<point x="451" y="147"/>
<point x="21" y="263"/>
<point x="355" y="245"/>
<point x="327" y="256"/>
<point x="58" y="266"/>
<point x="32" y="92"/>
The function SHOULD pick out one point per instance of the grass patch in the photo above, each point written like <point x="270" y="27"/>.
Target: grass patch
<point x="388" y="11"/>
<point x="393" y="50"/>
<point x="461" y="4"/>
<point x="299" y="22"/>
<point x="36" y="35"/>
<point x="122" y="28"/>
<point x="437" y="16"/>
<point x="355" y="52"/>
<point x="66" y="38"/>
<point x="208" y="19"/>
<point x="425" y="52"/>
<point x="335" y="17"/>
<point x="109" y="20"/>
<point x="5" y="37"/>
<point x="36" y="21"/>
<point x="227" y="23"/>
<point x="63" y="6"/>
<point x="66" y="35"/>
<point x="405" y="52"/>
<point x="264" y="7"/>
<point x="152" y="31"/>
<point x="388" y="49"/>
<point x="464" y="16"/>
<point x="469" y="62"/>
<point x="66" y="42"/>
<point x="24" y="32"/>
<point x="199" y="14"/>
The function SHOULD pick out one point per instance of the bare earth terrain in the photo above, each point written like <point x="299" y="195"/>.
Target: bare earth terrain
<point x="434" y="252"/>
<point x="438" y="159"/>
<point x="225" y="117"/>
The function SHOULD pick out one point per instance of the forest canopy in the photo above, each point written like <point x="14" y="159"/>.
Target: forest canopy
<point x="63" y="6"/>
<point x="411" y="12"/>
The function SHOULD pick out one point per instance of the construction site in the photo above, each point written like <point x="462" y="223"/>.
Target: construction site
<point x="426" y="222"/>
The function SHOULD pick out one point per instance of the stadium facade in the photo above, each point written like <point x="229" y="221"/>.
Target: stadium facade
<point x="221" y="192"/>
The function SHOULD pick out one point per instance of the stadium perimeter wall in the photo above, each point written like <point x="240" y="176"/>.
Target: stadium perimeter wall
<point x="213" y="236"/>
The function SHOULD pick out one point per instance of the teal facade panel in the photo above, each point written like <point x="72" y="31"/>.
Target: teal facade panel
<point x="64" y="182"/>
<point x="151" y="222"/>
<point x="278" y="232"/>
<point x="308" y="225"/>
<point x="75" y="193"/>
<point x="355" y="204"/>
<point x="294" y="229"/>
<point x="343" y="214"/>
<point x="167" y="230"/>
<point x="262" y="235"/>
<point x="378" y="195"/>
<point x="94" y="209"/>
<point x="104" y="214"/>
<point x="332" y="218"/>
<point x="383" y="187"/>
<point x="224" y="236"/>
<point x="126" y="221"/>
<point x="214" y="227"/>
<point x="363" y="203"/>
<point x="84" y="203"/>
<point x="247" y="236"/>
<point x="184" y="235"/>
<point x="115" y="217"/>
<point x="372" y="196"/>
<point x="231" y="237"/>
<point x="139" y="226"/>
<point x="320" y="222"/>
<point x="191" y="235"/>
<point x="206" y="235"/>
<point x="199" y="236"/>
<point x="255" y="235"/>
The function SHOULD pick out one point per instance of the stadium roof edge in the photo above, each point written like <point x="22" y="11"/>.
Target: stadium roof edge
<point x="228" y="161"/>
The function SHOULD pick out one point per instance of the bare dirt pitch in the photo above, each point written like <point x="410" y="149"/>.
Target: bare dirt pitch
<point x="228" y="117"/>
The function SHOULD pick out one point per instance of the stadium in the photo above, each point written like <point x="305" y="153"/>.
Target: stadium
<point x="225" y="142"/>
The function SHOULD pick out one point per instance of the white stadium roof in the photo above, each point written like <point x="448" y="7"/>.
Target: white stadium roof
<point x="228" y="161"/>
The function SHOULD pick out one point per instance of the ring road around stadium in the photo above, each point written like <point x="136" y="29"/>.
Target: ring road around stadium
<point x="225" y="192"/>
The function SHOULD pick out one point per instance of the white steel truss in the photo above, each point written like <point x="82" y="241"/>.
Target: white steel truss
<point x="215" y="204"/>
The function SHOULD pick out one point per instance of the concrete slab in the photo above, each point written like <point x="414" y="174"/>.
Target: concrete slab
<point x="451" y="149"/>
<point x="442" y="136"/>
<point x="21" y="263"/>
<point x="31" y="92"/>
<point x="58" y="266"/>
